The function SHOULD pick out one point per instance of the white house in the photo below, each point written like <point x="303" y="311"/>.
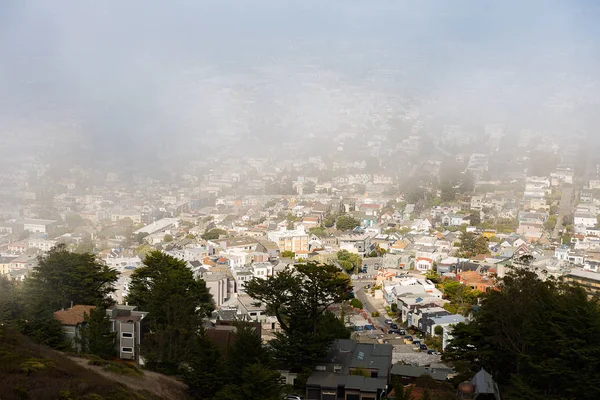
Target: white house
<point x="585" y="219"/>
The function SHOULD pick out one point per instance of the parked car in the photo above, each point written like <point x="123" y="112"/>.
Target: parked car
<point x="408" y="337"/>
<point x="423" y="347"/>
<point x="293" y="397"/>
<point x="368" y="286"/>
<point x="394" y="331"/>
<point x="402" y="331"/>
<point x="433" y="352"/>
<point x="389" y="321"/>
<point x="394" y="326"/>
<point x="417" y="342"/>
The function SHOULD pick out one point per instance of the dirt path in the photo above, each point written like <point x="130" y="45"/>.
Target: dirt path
<point x="159" y="385"/>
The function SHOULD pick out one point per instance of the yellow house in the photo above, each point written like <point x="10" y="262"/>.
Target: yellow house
<point x="4" y="265"/>
<point x="488" y="233"/>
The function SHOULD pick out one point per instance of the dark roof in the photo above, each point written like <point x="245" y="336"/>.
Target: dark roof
<point x="331" y="380"/>
<point x="413" y="371"/>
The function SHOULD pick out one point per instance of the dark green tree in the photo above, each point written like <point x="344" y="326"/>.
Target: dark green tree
<point x="345" y="255"/>
<point x="62" y="277"/>
<point x="247" y="349"/>
<point x="47" y="330"/>
<point x="475" y="218"/>
<point x="346" y="265"/>
<point x="329" y="221"/>
<point x="176" y="303"/>
<point x="472" y="244"/>
<point x="213" y="234"/>
<point x="204" y="370"/>
<point x="96" y="336"/>
<point x="257" y="382"/>
<point x="299" y="298"/>
<point x="10" y="301"/>
<point x="539" y="339"/>
<point x="346" y="223"/>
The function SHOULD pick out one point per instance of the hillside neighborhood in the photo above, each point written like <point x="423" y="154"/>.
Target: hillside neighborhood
<point x="419" y="258"/>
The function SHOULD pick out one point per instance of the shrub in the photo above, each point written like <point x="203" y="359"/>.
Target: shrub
<point x="375" y="314"/>
<point x="394" y="307"/>
<point x="356" y="303"/>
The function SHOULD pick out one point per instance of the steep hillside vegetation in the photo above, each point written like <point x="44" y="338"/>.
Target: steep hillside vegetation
<point x="32" y="371"/>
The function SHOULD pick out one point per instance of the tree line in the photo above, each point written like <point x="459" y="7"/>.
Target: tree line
<point x="175" y="340"/>
<point x="540" y="339"/>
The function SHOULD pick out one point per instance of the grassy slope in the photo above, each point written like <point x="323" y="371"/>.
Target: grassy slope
<point x="31" y="371"/>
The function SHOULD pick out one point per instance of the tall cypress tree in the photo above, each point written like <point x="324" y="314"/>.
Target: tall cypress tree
<point x="96" y="336"/>
<point x="176" y="303"/>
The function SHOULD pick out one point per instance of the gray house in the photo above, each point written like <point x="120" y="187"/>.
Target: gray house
<point x="351" y="371"/>
<point x="126" y="323"/>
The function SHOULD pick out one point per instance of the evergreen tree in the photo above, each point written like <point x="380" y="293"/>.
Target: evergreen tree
<point x="299" y="297"/>
<point x="176" y="304"/>
<point x="346" y="223"/>
<point x="10" y="305"/>
<point x="205" y="371"/>
<point x="62" y="277"/>
<point x="539" y="339"/>
<point x="247" y="349"/>
<point x="96" y="336"/>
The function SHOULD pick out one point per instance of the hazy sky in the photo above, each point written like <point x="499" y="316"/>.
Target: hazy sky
<point x="131" y="73"/>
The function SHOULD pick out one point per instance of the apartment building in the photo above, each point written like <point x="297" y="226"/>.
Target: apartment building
<point x="290" y="240"/>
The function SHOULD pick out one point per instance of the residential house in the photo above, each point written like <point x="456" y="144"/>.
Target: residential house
<point x="351" y="371"/>
<point x="410" y="373"/>
<point x="585" y="219"/>
<point x="262" y="270"/>
<point x="217" y="284"/>
<point x="454" y="220"/>
<point x="290" y="240"/>
<point x="429" y="324"/>
<point x="72" y="320"/>
<point x="356" y="243"/>
<point x="475" y="280"/>
<point x="37" y="225"/>
<point x="589" y="281"/>
<point x="418" y="316"/>
<point x="408" y="211"/>
<point x="408" y="303"/>
<point x="126" y="322"/>
<point x="250" y="309"/>
<point x="42" y="244"/>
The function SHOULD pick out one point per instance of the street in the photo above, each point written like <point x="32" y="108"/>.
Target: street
<point x="369" y="306"/>
<point x="565" y="207"/>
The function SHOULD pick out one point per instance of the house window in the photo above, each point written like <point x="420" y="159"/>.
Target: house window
<point x="126" y="334"/>
<point x="337" y="368"/>
<point x="126" y="350"/>
<point x="320" y="368"/>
